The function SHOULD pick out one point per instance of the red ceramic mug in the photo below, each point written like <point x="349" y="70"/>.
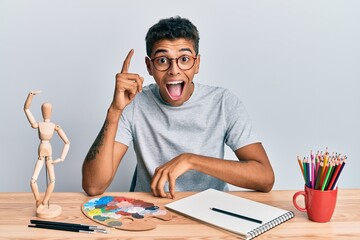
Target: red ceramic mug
<point x="319" y="205"/>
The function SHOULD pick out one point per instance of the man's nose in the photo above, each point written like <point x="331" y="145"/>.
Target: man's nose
<point x="174" y="68"/>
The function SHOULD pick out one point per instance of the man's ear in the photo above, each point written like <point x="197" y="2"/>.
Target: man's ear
<point x="197" y="64"/>
<point x="148" y="65"/>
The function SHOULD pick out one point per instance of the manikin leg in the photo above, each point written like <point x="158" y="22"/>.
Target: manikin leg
<point x="33" y="184"/>
<point x="51" y="186"/>
<point x="46" y="210"/>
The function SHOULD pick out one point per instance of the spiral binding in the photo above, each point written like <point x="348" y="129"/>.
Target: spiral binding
<point x="269" y="225"/>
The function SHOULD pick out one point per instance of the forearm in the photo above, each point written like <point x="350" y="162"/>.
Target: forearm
<point x="65" y="150"/>
<point x="250" y="174"/>
<point x="66" y="142"/>
<point x="28" y="101"/>
<point x="252" y="170"/>
<point x="99" y="167"/>
<point x="27" y="111"/>
<point x="105" y="154"/>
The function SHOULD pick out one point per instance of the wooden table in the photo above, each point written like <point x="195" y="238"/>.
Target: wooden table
<point x="16" y="210"/>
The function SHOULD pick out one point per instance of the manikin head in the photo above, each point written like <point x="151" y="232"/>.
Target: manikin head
<point x="46" y="109"/>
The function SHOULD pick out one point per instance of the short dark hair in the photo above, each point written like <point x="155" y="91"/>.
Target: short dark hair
<point x="171" y="29"/>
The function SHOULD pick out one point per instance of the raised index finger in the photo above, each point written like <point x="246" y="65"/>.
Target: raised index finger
<point x="126" y="64"/>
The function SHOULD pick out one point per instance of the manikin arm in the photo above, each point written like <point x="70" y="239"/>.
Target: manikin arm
<point x="28" y="113"/>
<point x="66" y="146"/>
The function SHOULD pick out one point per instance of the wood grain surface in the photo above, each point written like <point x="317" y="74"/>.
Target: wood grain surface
<point x="16" y="210"/>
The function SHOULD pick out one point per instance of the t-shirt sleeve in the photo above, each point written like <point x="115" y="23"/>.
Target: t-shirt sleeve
<point x="239" y="128"/>
<point x="124" y="132"/>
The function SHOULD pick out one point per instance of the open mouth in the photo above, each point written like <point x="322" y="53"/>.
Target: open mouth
<point x="175" y="89"/>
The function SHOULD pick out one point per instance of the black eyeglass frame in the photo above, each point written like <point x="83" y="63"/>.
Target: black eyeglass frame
<point x="171" y="60"/>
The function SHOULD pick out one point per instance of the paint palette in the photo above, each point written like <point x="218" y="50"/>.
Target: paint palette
<point x="124" y="213"/>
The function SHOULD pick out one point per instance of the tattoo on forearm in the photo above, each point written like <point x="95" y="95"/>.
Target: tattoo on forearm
<point x="94" y="150"/>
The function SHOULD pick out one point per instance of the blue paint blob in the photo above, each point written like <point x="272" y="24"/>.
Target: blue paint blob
<point x="100" y="218"/>
<point x="137" y="216"/>
<point x="104" y="200"/>
<point x="100" y="205"/>
<point x="152" y="208"/>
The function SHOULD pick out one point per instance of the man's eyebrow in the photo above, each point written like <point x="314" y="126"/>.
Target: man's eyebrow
<point x="185" y="50"/>
<point x="160" y="51"/>
<point x="165" y="51"/>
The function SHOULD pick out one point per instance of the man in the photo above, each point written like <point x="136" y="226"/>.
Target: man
<point x="178" y="127"/>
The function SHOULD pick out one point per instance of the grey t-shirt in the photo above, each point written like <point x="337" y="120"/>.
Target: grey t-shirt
<point x="211" y="118"/>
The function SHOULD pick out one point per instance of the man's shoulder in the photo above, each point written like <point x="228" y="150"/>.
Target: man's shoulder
<point x="214" y="91"/>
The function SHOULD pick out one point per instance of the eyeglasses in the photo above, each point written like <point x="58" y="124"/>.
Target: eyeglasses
<point x="183" y="62"/>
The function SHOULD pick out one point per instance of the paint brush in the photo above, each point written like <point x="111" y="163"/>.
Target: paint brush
<point x="74" y="226"/>
<point x="63" y="228"/>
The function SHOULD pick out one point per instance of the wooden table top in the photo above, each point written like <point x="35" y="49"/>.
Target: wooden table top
<point x="18" y="208"/>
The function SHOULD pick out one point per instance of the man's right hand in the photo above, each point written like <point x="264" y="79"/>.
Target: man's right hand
<point x="127" y="85"/>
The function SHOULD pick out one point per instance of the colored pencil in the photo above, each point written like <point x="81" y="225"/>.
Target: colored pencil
<point x="322" y="170"/>
<point x="326" y="180"/>
<point x="317" y="173"/>
<point x="312" y="173"/>
<point x="323" y="176"/>
<point x="305" y="173"/>
<point x="334" y="175"/>
<point x="325" y="162"/>
<point x="318" y="178"/>
<point x="337" y="177"/>
<point x="301" y="166"/>
<point x="309" y="172"/>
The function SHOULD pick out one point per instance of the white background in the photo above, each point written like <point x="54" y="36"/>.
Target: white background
<point x="295" y="65"/>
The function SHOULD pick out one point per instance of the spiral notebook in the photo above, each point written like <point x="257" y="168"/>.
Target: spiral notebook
<point x="239" y="215"/>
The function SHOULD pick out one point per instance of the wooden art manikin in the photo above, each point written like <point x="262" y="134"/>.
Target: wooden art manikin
<point x="46" y="130"/>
